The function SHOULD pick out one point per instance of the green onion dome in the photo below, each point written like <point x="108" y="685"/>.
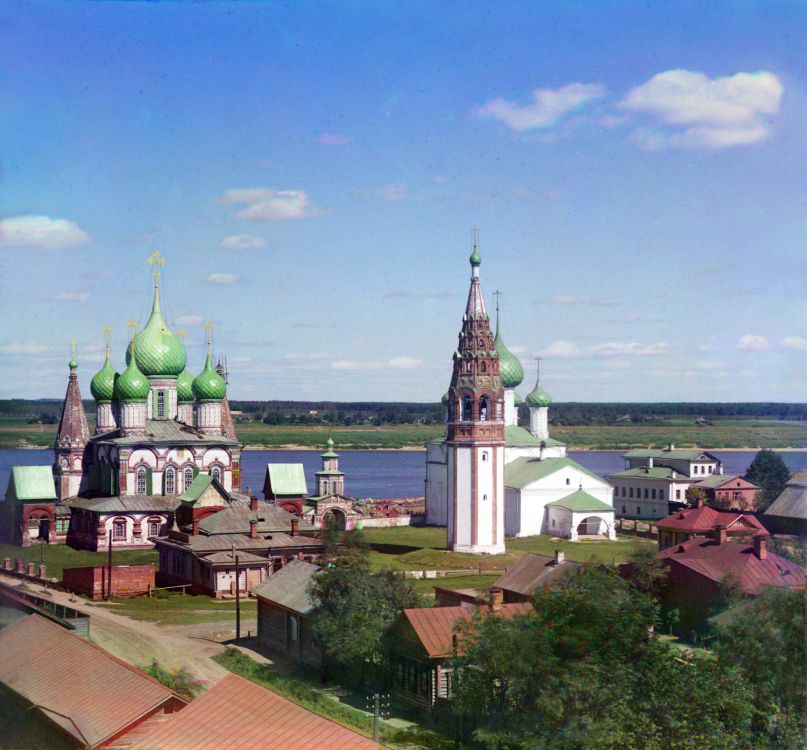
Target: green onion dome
<point x="476" y="258"/>
<point x="131" y="384"/>
<point x="517" y="400"/>
<point x="185" y="386"/>
<point x="208" y="385"/>
<point x="538" y="396"/>
<point x="102" y="385"/>
<point x="444" y="400"/>
<point x="510" y="369"/>
<point x="159" y="352"/>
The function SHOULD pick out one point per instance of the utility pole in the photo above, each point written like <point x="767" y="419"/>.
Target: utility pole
<point x="237" y="600"/>
<point x="378" y="703"/>
<point x="109" y="570"/>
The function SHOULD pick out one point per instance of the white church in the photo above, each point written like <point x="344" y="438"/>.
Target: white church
<point x="488" y="477"/>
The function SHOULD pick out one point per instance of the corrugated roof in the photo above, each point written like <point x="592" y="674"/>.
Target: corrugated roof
<point x="165" y="431"/>
<point x="197" y="487"/>
<point x="532" y="571"/>
<point x="288" y="587"/>
<point x="644" y="472"/>
<point x="520" y="437"/>
<point x="792" y="503"/>
<point x="706" y="518"/>
<point x="33" y="482"/>
<point x="435" y="626"/>
<point x="228" y="558"/>
<point x="287" y="479"/>
<point x="96" y="694"/>
<point x="235" y="520"/>
<point x="237" y="713"/>
<point x="204" y="543"/>
<point x="713" y="481"/>
<point x="735" y="559"/>
<point x="581" y="502"/>
<point x="127" y="503"/>
<point x="682" y="454"/>
<point x="524" y="471"/>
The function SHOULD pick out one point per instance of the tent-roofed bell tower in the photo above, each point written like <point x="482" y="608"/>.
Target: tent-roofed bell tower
<point x="475" y="432"/>
<point x="72" y="437"/>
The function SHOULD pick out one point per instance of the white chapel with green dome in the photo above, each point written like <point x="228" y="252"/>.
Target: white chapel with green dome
<point x="545" y="491"/>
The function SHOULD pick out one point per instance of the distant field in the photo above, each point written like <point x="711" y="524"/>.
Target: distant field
<point x="57" y="557"/>
<point x="724" y="433"/>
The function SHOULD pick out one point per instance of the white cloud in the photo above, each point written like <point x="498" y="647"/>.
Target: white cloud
<point x="695" y="111"/>
<point x="405" y="363"/>
<point x="72" y="296"/>
<point x="334" y="139"/>
<point x="352" y="364"/>
<point x="752" y="342"/>
<point x="795" y="342"/>
<point x="519" y="350"/>
<point x="242" y="242"/>
<point x="222" y="278"/>
<point x="41" y="232"/>
<point x="563" y="349"/>
<point x="306" y="357"/>
<point x="548" y="106"/>
<point x="23" y="347"/>
<point x="266" y="204"/>
<point x="189" y="320"/>
<point x="565" y="299"/>
<point x="395" y="193"/>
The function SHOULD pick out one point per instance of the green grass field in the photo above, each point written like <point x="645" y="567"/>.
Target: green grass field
<point x="175" y="609"/>
<point x="726" y="433"/>
<point x="427" y="550"/>
<point x="57" y="557"/>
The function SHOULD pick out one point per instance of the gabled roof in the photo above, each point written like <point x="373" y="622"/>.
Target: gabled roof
<point x="127" y="503"/>
<point x="237" y="713"/>
<point x="287" y="479"/>
<point x="645" y="472"/>
<point x="520" y="437"/>
<point x="716" y="481"/>
<point x="736" y="560"/>
<point x="706" y="518"/>
<point x="201" y="482"/>
<point x="166" y="432"/>
<point x="435" y="626"/>
<point x="288" y="587"/>
<point x="228" y="558"/>
<point x="33" y="483"/>
<point x="203" y="544"/>
<point x="680" y="454"/>
<point x="524" y="471"/>
<point x="235" y="519"/>
<point x="87" y="691"/>
<point x="581" y="502"/>
<point x="532" y="571"/>
<point x="792" y="503"/>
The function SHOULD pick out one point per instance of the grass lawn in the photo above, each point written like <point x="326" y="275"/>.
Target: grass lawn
<point x="175" y="609"/>
<point x="335" y="702"/>
<point x="423" y="548"/>
<point x="426" y="586"/>
<point x="57" y="557"/>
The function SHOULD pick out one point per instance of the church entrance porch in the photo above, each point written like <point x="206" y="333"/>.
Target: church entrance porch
<point x="336" y="518"/>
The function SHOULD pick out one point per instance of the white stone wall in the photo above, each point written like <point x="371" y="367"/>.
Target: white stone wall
<point x="208" y="416"/>
<point x="510" y="410"/>
<point x="436" y="485"/>
<point x="185" y="413"/>
<point x="133" y="417"/>
<point x="104" y="419"/>
<point x="539" y="422"/>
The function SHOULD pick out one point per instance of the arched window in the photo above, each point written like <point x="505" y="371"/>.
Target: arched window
<point x="119" y="529"/>
<point x="484" y="455"/>
<point x="468" y="366"/>
<point x="141" y="481"/>
<point x="483" y="366"/>
<point x="170" y="480"/>
<point x="188" y="476"/>
<point x="154" y="526"/>
<point x="215" y="472"/>
<point x="484" y="407"/>
<point x="466" y="408"/>
<point x="160" y="403"/>
<point x="568" y="481"/>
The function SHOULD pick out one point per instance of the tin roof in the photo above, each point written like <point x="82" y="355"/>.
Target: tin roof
<point x="681" y="454"/>
<point x="716" y="561"/>
<point x="287" y="479"/>
<point x="288" y="587"/>
<point x="715" y="481"/>
<point x="33" y="483"/>
<point x="85" y="690"/>
<point x="516" y="436"/>
<point x="435" y="626"/>
<point x="166" y="432"/>
<point x="581" y="502"/>
<point x="228" y="558"/>
<point x="237" y="713"/>
<point x="533" y="571"/>
<point x="792" y="503"/>
<point x="127" y="503"/>
<point x="645" y="472"/>
<point x="524" y="471"/>
<point x="235" y="520"/>
<point x="706" y="518"/>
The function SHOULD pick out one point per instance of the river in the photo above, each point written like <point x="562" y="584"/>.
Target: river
<point x="387" y="474"/>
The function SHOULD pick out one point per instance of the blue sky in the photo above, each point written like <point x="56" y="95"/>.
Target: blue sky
<point x="312" y="171"/>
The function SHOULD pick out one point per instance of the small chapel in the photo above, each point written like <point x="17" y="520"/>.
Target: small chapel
<point x="490" y="477"/>
<point x="157" y="427"/>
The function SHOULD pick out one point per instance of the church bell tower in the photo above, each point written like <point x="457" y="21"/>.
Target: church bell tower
<point x="475" y="433"/>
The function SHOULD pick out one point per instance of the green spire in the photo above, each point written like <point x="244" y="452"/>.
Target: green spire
<point x="538" y="396"/>
<point x="329" y="452"/>
<point x="102" y="384"/>
<point x="476" y="259"/>
<point x="73" y="363"/>
<point x="208" y="385"/>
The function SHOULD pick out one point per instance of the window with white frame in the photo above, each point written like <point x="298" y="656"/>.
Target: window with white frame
<point x="119" y="529"/>
<point x="188" y="477"/>
<point x="215" y="472"/>
<point x="141" y="481"/>
<point x="160" y="403"/>
<point x="154" y="527"/>
<point x="170" y="480"/>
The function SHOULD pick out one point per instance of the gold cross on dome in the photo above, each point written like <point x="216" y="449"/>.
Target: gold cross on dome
<point x="156" y="260"/>
<point x="209" y="326"/>
<point x="181" y="333"/>
<point x="538" y="367"/>
<point x="74" y="348"/>
<point x="107" y="331"/>
<point x="475" y="235"/>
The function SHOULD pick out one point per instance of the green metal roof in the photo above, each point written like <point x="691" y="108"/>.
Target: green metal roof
<point x="538" y="397"/>
<point x="158" y="352"/>
<point x="102" y="385"/>
<point x="200" y="483"/>
<point x="131" y="384"/>
<point x="718" y="480"/>
<point x="582" y="502"/>
<point x="679" y="453"/>
<point x="510" y="368"/>
<point x="657" y="472"/>
<point x="185" y="387"/>
<point x="287" y="479"/>
<point x="208" y="385"/>
<point x="523" y="471"/>
<point x="519" y="437"/>
<point x="32" y="483"/>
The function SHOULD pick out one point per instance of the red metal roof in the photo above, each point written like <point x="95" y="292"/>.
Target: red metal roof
<point x="737" y="560"/>
<point x="238" y="714"/>
<point x="91" y="694"/>
<point x="434" y="626"/>
<point x="705" y="518"/>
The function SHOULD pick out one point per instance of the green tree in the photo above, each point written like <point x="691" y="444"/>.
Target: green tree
<point x="770" y="473"/>
<point x="695" y="495"/>
<point x="354" y="607"/>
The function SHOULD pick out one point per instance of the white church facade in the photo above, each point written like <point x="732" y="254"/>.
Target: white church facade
<point x="490" y="475"/>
